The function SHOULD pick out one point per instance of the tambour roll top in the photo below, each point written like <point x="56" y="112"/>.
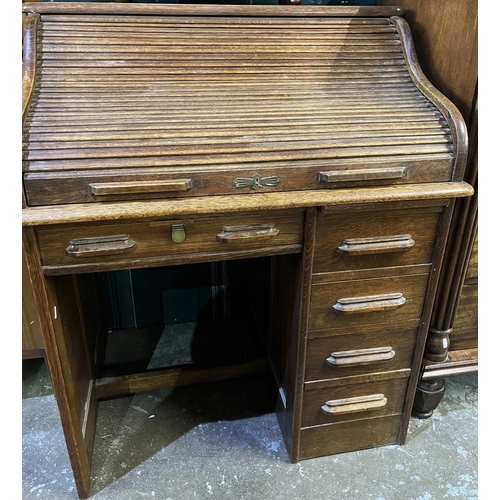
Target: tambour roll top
<point x="129" y="106"/>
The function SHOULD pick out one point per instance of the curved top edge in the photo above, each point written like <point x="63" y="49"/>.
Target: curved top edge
<point x="210" y="10"/>
<point x="450" y="112"/>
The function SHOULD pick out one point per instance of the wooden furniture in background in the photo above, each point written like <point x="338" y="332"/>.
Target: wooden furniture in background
<point x="445" y="35"/>
<point x="169" y="135"/>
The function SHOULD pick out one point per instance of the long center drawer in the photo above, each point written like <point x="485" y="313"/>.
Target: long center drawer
<point x="104" y="244"/>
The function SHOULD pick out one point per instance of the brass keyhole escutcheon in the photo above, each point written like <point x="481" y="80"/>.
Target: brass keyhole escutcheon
<point x="178" y="233"/>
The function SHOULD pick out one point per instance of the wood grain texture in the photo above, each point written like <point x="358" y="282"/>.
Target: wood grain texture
<point x="217" y="99"/>
<point x="30" y="27"/>
<point x="293" y="331"/>
<point x="314" y="399"/>
<point x="64" y="214"/>
<point x="175" y="377"/>
<point x="325" y="295"/>
<point x="211" y="10"/>
<point x="221" y="93"/>
<point x="349" y="436"/>
<point x="446" y="41"/>
<point x="334" y="230"/>
<point x="32" y="336"/>
<point x="70" y="382"/>
<point x="154" y="238"/>
<point x="451" y="112"/>
<point x="320" y="349"/>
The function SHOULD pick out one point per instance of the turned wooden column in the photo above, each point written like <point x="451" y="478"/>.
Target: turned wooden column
<point x="460" y="244"/>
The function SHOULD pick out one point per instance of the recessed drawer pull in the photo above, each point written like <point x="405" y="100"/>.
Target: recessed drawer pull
<point x="362" y="174"/>
<point x="240" y="233"/>
<point x="140" y="187"/>
<point x="351" y="405"/>
<point x="376" y="245"/>
<point x="360" y="356"/>
<point x="105" y="245"/>
<point x="372" y="303"/>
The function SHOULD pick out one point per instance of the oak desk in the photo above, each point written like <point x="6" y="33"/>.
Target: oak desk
<point x="160" y="135"/>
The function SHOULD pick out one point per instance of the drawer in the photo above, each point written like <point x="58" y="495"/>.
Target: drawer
<point x="355" y="401"/>
<point x="159" y="240"/>
<point x="374" y="238"/>
<point x="362" y="306"/>
<point x="349" y="436"/>
<point x="356" y="354"/>
<point x="124" y="179"/>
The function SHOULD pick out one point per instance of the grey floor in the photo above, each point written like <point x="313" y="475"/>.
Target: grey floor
<point x="222" y="441"/>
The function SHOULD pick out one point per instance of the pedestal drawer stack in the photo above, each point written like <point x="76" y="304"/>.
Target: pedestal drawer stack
<point x="370" y="274"/>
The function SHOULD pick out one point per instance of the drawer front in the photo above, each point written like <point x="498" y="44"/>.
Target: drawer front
<point x="343" y="403"/>
<point x="356" y="354"/>
<point x="49" y="186"/>
<point x="366" y="305"/>
<point x="374" y="239"/>
<point x="349" y="436"/>
<point x="110" y="242"/>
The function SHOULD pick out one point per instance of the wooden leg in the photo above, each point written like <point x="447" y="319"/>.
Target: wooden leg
<point x="427" y="397"/>
<point x="59" y="302"/>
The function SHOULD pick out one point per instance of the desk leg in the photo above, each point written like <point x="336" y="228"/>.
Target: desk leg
<point x="295" y="285"/>
<point x="59" y="302"/>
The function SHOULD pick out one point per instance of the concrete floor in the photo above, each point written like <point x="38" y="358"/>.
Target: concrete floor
<point x="223" y="442"/>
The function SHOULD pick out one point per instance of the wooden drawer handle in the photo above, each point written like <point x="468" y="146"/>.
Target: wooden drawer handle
<point x="351" y="405"/>
<point x="239" y="233"/>
<point x="360" y="356"/>
<point x="376" y="245"/>
<point x="362" y="174"/>
<point x="140" y="187"/>
<point x="105" y="245"/>
<point x="372" y="303"/>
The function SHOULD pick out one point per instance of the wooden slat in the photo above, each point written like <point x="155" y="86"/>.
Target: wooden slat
<point x="175" y="377"/>
<point x="215" y="77"/>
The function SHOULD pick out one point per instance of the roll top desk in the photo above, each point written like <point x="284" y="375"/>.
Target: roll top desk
<point x="161" y="135"/>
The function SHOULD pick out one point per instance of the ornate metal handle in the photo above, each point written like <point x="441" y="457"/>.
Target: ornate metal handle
<point x="105" y="245"/>
<point x="360" y="356"/>
<point x="239" y="233"/>
<point x="372" y="303"/>
<point x="140" y="187"/>
<point x="378" y="244"/>
<point x="256" y="181"/>
<point x="351" y="405"/>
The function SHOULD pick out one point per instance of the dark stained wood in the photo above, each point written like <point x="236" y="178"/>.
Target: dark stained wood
<point x="314" y="399"/>
<point x="171" y="134"/>
<point x="174" y="377"/>
<point x="30" y="26"/>
<point x="324" y="296"/>
<point x="465" y="327"/>
<point x="291" y="382"/>
<point x="459" y="361"/>
<point x="106" y="243"/>
<point x="32" y="336"/>
<point x="446" y="43"/>
<point x="211" y="10"/>
<point x="68" y="362"/>
<point x="349" y="436"/>
<point x="446" y="40"/>
<point x="455" y="119"/>
<point x="336" y="231"/>
<point x="320" y="349"/>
